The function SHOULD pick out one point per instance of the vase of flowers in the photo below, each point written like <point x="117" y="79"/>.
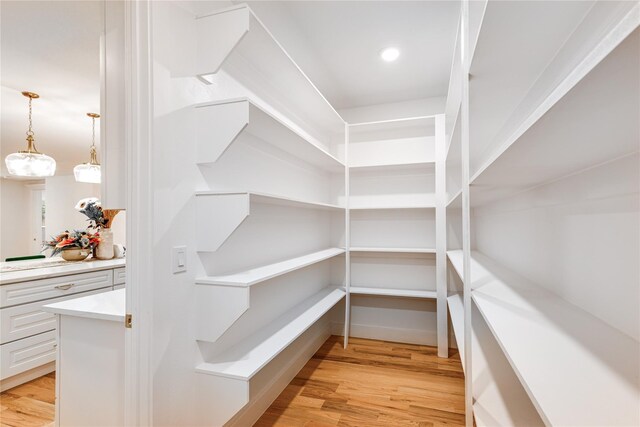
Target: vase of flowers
<point x="73" y="245"/>
<point x="99" y="219"/>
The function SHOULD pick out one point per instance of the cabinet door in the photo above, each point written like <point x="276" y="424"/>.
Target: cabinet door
<point x="28" y="353"/>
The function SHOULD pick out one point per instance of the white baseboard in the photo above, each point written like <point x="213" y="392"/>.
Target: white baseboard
<point x="27" y="376"/>
<point x="307" y="345"/>
<point x="404" y="335"/>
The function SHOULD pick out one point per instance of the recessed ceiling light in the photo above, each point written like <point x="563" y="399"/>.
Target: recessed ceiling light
<point x="389" y="54"/>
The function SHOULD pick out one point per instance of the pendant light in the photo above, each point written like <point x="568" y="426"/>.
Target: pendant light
<point x="90" y="172"/>
<point x="30" y="162"/>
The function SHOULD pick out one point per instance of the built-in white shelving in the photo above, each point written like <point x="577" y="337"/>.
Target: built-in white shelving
<point x="402" y="293"/>
<point x="518" y="76"/>
<point x="456" y="312"/>
<point x="532" y="157"/>
<point x="235" y="41"/>
<point x="220" y="124"/>
<point x="391" y="207"/>
<point x="244" y="360"/>
<point x="356" y="249"/>
<point x="261" y="274"/>
<point x="590" y="362"/>
<point x="270" y="199"/>
<point x="396" y="167"/>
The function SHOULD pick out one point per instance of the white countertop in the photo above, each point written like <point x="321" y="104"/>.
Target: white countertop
<point x="104" y="306"/>
<point x="23" y="271"/>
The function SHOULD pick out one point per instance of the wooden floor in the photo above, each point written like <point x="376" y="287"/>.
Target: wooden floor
<point x="372" y="383"/>
<point x="29" y="405"/>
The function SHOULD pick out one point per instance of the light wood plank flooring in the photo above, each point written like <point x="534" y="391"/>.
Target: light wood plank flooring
<point x="29" y="405"/>
<point x="372" y="383"/>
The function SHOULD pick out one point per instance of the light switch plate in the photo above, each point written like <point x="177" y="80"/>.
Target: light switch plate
<point x="179" y="259"/>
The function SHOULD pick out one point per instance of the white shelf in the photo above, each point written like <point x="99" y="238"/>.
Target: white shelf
<point x="456" y="200"/>
<point x="248" y="357"/>
<point x="243" y="115"/>
<point x="455" y="258"/>
<point x="393" y="250"/>
<point x="272" y="199"/>
<point x="456" y="311"/>
<point x="403" y="293"/>
<point x="397" y="167"/>
<point x="261" y="274"/>
<point x="587" y="376"/>
<point x="532" y="87"/>
<point x="388" y="207"/>
<point x="235" y="41"/>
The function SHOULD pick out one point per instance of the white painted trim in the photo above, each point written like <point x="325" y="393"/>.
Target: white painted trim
<point x="441" y="238"/>
<point x="139" y="291"/>
<point x="347" y="239"/>
<point x="466" y="213"/>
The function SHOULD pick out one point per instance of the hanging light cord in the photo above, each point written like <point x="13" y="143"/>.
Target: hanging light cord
<point x="31" y="145"/>
<point x="94" y="154"/>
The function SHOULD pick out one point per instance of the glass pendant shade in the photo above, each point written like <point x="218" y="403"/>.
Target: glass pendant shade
<point x="90" y="172"/>
<point x="86" y="172"/>
<point x="30" y="162"/>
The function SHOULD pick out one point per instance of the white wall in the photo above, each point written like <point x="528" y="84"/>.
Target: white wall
<point x="62" y="195"/>
<point x="14" y="219"/>
<point x="578" y="237"/>
<point x="396" y="110"/>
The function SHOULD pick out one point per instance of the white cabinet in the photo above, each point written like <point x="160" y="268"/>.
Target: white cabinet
<point x="27" y="333"/>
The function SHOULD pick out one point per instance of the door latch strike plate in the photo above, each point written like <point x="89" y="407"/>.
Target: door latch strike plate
<point x="128" y="321"/>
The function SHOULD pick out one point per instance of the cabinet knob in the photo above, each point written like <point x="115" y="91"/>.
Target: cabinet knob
<point x="65" y="287"/>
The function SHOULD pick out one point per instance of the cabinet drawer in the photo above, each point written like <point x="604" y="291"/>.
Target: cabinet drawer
<point x="119" y="276"/>
<point x="28" y="353"/>
<point x="38" y="290"/>
<point x="25" y="320"/>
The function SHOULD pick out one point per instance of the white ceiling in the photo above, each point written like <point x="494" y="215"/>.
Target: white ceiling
<point x="337" y="44"/>
<point x="51" y="48"/>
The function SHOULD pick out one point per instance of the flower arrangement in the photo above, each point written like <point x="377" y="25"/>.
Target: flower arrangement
<point x="73" y="240"/>
<point x="98" y="218"/>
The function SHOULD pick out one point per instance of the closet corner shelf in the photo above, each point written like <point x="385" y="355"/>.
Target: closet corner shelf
<point x="244" y="360"/>
<point x="392" y="250"/>
<point x="244" y="115"/>
<point x="255" y="197"/>
<point x="592" y="362"/>
<point x="403" y="293"/>
<point x="261" y="274"/>
<point x="456" y="310"/>
<point x="236" y="41"/>
<point x="393" y="167"/>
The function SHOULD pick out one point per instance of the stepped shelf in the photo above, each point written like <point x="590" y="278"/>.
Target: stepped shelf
<point x="248" y="357"/>
<point x="261" y="274"/>
<point x="230" y="209"/>
<point x="402" y="293"/>
<point x="456" y="311"/>
<point x="392" y="250"/>
<point x="594" y="365"/>
<point x="236" y="42"/>
<point x="221" y="123"/>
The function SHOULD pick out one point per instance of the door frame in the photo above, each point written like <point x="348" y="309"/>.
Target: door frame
<point x="138" y="112"/>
